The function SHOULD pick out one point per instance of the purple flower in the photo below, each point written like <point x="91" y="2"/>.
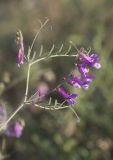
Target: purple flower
<point x="20" y="55"/>
<point x="68" y="98"/>
<point x="83" y="71"/>
<point x="14" y="130"/>
<point x="90" y="60"/>
<point x="77" y="82"/>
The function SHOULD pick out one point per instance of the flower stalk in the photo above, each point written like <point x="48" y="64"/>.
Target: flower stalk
<point x="85" y="61"/>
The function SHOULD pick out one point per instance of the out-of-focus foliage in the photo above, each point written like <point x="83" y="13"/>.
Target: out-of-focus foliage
<point x="55" y="135"/>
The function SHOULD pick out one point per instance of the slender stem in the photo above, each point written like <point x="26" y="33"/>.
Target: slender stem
<point x="21" y="106"/>
<point x="37" y="34"/>
<point x="78" y="119"/>
<point x="52" y="56"/>
<point x="11" y="117"/>
<point x="27" y="82"/>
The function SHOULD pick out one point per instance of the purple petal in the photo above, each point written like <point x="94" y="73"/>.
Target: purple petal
<point x="83" y="70"/>
<point x="20" y="57"/>
<point x="76" y="85"/>
<point x="73" y="83"/>
<point x="85" y="86"/>
<point x="73" y="96"/>
<point x="88" y="79"/>
<point x="62" y="92"/>
<point x="69" y="98"/>
<point x="97" y="65"/>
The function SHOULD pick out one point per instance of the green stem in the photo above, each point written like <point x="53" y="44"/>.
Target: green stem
<point x="12" y="116"/>
<point x="27" y="82"/>
<point x="21" y="106"/>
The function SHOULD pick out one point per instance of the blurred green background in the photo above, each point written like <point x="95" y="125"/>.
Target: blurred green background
<point x="55" y="135"/>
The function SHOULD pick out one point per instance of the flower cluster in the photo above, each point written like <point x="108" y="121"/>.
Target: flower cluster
<point x="85" y="62"/>
<point x="20" y="55"/>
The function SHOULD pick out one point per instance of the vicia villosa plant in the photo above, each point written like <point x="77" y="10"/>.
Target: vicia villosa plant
<point x="79" y="78"/>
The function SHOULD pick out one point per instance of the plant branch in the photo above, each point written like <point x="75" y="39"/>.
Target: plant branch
<point x="28" y="76"/>
<point x="50" y="107"/>
<point x="12" y="116"/>
<point x="27" y="82"/>
<point x="37" y="34"/>
<point x="52" y="56"/>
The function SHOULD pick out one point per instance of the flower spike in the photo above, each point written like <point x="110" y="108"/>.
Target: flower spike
<point x="20" y="55"/>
